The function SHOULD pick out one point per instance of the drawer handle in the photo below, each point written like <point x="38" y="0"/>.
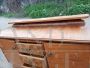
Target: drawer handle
<point x="49" y="54"/>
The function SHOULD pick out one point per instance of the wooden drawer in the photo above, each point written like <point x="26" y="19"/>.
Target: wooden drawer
<point x="31" y="49"/>
<point x="37" y="50"/>
<point x="24" y="48"/>
<point x="26" y="60"/>
<point x="31" y="61"/>
<point x="39" y="63"/>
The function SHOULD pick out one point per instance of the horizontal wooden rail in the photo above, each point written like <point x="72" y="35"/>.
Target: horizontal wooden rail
<point x="48" y="19"/>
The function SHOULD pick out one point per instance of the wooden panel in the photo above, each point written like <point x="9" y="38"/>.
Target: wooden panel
<point x="10" y="52"/>
<point x="56" y="56"/>
<point x="79" y="56"/>
<point x="61" y="55"/>
<point x="56" y="65"/>
<point x="79" y="60"/>
<point x="78" y="64"/>
<point x="56" y="60"/>
<point x="7" y="44"/>
<point x="12" y="56"/>
<point x="60" y="46"/>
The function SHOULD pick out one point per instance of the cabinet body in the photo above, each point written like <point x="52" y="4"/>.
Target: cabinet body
<point x="44" y="54"/>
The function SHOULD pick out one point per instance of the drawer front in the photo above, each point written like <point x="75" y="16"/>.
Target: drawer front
<point x="37" y="50"/>
<point x="31" y="61"/>
<point x="39" y="63"/>
<point x="24" y="48"/>
<point x="26" y="60"/>
<point x="32" y="55"/>
<point x="31" y="49"/>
